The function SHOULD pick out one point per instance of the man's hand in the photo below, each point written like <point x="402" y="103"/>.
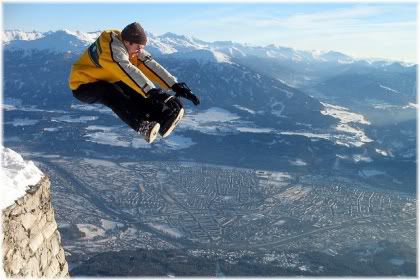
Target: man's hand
<point x="182" y="90"/>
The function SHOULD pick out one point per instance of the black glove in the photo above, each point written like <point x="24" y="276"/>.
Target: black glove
<point x="182" y="90"/>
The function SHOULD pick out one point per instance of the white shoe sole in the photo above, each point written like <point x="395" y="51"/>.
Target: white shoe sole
<point x="174" y="124"/>
<point x="153" y="134"/>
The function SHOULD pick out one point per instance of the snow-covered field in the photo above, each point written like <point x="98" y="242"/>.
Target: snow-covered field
<point x="124" y="137"/>
<point x="71" y="119"/>
<point x="361" y="158"/>
<point x="370" y="172"/>
<point x="92" y="108"/>
<point x="22" y="122"/>
<point x="254" y="130"/>
<point x="324" y="136"/>
<point x="216" y="121"/>
<point x="213" y="121"/>
<point x="274" y="178"/>
<point x="298" y="162"/>
<point x="353" y="135"/>
<point x="99" y="162"/>
<point x="107" y="138"/>
<point x="176" y="142"/>
<point x="110" y="225"/>
<point x="343" y="114"/>
<point x="14" y="104"/>
<point x="91" y="231"/>
<point x="164" y="228"/>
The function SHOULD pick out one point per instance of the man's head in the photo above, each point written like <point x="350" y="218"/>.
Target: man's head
<point x="134" y="38"/>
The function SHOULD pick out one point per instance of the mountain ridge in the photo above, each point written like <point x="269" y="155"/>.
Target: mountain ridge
<point x="170" y="42"/>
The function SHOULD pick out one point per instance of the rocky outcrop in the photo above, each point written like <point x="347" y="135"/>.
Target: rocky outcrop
<point x="31" y="240"/>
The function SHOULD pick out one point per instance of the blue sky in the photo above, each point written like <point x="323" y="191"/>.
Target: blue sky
<point x="386" y="30"/>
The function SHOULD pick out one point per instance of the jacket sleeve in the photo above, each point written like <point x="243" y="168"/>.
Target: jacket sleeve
<point x="154" y="71"/>
<point x="117" y="62"/>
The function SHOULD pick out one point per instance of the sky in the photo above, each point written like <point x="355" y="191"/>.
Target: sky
<point x="376" y="30"/>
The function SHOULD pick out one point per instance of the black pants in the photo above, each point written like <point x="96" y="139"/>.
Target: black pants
<point x="130" y="106"/>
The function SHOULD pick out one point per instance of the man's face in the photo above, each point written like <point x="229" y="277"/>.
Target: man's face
<point x="133" y="48"/>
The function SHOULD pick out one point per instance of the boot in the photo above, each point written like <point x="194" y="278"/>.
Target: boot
<point x="170" y="118"/>
<point x="149" y="130"/>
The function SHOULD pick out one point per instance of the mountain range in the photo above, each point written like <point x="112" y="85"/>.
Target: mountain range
<point x="320" y="73"/>
<point x="170" y="43"/>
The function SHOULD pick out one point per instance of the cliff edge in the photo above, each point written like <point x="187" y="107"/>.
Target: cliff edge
<point x="31" y="241"/>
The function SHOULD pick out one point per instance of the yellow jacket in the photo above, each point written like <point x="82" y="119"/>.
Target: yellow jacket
<point x="107" y="59"/>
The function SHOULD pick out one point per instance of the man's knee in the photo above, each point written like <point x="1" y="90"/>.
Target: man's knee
<point x="93" y="92"/>
<point x="85" y="97"/>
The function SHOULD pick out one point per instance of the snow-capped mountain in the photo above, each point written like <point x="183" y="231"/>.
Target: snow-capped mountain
<point x="307" y="70"/>
<point x="57" y="41"/>
<point x="13" y="35"/>
<point x="168" y="43"/>
<point x="36" y="79"/>
<point x="318" y="72"/>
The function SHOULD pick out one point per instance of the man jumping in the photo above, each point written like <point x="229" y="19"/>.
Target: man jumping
<point x="117" y="72"/>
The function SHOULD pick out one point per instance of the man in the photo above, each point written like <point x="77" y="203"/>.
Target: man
<point x="117" y="72"/>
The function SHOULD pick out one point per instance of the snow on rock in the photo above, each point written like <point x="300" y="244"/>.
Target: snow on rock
<point x="381" y="152"/>
<point x="221" y="57"/>
<point x="16" y="176"/>
<point x="11" y="35"/>
<point x="388" y="89"/>
<point x="163" y="48"/>
<point x="88" y="37"/>
<point x="245" y="109"/>
<point x="57" y="41"/>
